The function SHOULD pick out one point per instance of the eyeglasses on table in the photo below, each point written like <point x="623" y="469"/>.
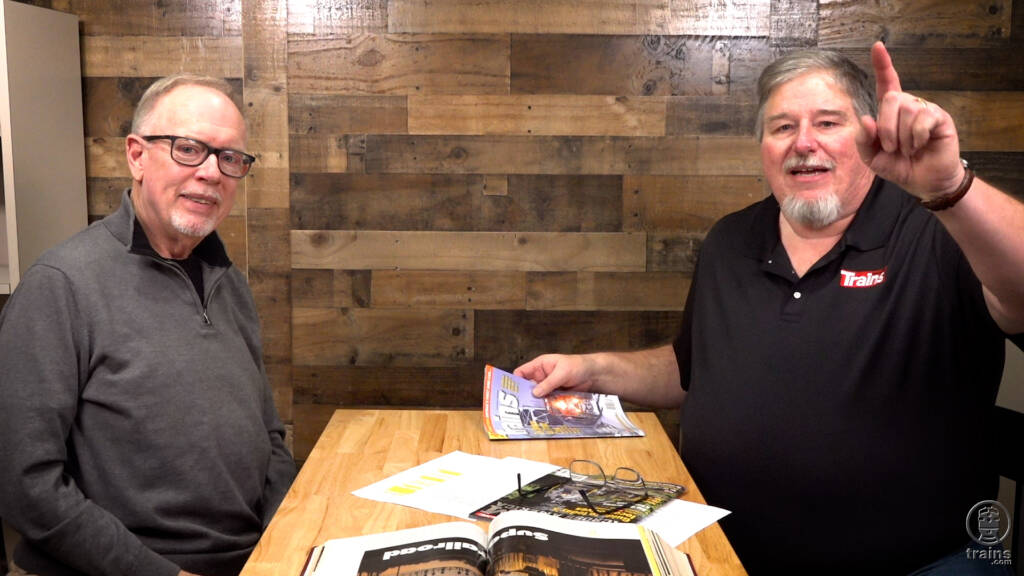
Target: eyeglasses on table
<point x="589" y="479"/>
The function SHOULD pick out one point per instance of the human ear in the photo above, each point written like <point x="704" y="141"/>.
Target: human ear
<point x="134" y="151"/>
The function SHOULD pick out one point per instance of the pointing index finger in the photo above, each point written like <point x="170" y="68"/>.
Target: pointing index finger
<point x="886" y="79"/>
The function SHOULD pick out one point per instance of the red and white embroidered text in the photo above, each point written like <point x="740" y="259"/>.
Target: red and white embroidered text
<point x="861" y="278"/>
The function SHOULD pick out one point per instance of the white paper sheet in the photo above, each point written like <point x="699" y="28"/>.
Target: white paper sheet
<point x="457" y="483"/>
<point x="678" y="520"/>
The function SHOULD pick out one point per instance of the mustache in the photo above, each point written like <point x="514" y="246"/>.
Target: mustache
<point x="206" y="196"/>
<point x="801" y="161"/>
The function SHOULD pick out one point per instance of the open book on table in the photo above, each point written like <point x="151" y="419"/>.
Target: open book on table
<point x="511" y="412"/>
<point x="516" y="542"/>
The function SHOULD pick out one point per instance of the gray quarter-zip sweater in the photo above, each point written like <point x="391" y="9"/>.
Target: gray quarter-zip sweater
<point x="138" y="434"/>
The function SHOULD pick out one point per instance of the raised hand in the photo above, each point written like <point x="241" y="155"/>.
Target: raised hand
<point x="914" y="142"/>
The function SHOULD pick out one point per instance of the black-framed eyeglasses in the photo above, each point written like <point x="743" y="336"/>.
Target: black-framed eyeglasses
<point x="603" y="495"/>
<point x="190" y="152"/>
<point x="626" y="486"/>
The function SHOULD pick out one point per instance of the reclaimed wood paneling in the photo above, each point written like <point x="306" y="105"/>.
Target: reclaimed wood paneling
<point x="793" y="23"/>
<point x="913" y="22"/>
<point x="450" y="386"/>
<point x="558" y="203"/>
<point x="265" y="82"/>
<point x="685" y="203"/>
<point x="269" y="270"/>
<point x="720" y="18"/>
<point x="528" y="17"/>
<point x="539" y="115"/>
<point x="978" y="128"/>
<point x="155" y="56"/>
<point x="319" y="18"/>
<point x="110" y="104"/>
<point x="673" y="251"/>
<point x="606" y="290"/>
<point x="704" y="17"/>
<point x="468" y="202"/>
<point x="476" y="290"/>
<point x="393" y="64"/>
<point x="653" y="65"/>
<point x="511" y="337"/>
<point x="332" y="114"/>
<point x="747" y="57"/>
<point x="1002" y="169"/>
<point x="105" y="158"/>
<point x="386" y="202"/>
<point x="948" y="68"/>
<point x="103" y="195"/>
<point x="561" y="155"/>
<point x="267" y="183"/>
<point x="495" y="185"/>
<point x="133" y="18"/>
<point x="729" y="115"/>
<point x="316" y="153"/>
<point x="352" y="250"/>
<point x="232" y="232"/>
<point x="370" y="337"/>
<point x="616" y="65"/>
<point x="330" y="288"/>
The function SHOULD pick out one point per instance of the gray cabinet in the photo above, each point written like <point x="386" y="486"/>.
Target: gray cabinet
<point x="42" y="144"/>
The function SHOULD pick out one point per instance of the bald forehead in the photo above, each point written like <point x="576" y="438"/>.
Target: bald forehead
<point x="197" y="108"/>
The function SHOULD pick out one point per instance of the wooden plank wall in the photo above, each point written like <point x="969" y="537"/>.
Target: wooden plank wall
<point x="443" y="184"/>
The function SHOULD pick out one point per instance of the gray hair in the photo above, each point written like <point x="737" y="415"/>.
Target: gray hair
<point x="164" y="86"/>
<point x="854" y="81"/>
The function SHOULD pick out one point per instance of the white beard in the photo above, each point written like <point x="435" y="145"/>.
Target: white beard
<point x="191" y="226"/>
<point x="815" y="213"/>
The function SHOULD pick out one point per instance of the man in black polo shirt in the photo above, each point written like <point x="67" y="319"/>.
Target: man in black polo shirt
<point x="843" y="339"/>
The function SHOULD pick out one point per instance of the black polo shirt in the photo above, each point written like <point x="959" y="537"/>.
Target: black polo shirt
<point x="841" y="416"/>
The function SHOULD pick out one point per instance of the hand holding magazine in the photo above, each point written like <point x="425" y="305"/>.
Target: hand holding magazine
<point x="516" y="542"/>
<point x="511" y="412"/>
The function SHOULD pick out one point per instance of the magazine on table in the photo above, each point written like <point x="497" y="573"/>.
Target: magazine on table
<point x="557" y="494"/>
<point x="517" y="542"/>
<point x="511" y="412"/>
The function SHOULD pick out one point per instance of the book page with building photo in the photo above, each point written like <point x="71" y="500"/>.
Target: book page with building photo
<point x="544" y="545"/>
<point x="518" y="542"/>
<point x="453" y="548"/>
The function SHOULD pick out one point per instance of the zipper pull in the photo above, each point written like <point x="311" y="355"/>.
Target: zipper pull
<point x="206" y="319"/>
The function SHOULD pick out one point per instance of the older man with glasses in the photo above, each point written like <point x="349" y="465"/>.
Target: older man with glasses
<point x="138" y="434"/>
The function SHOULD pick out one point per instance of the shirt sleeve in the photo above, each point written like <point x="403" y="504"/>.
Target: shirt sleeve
<point x="44" y="355"/>
<point x="683" y="345"/>
<point x="281" y="470"/>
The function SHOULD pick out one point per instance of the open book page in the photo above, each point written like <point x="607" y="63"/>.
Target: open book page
<point x="453" y="548"/>
<point x="522" y="542"/>
<point x="511" y="412"/>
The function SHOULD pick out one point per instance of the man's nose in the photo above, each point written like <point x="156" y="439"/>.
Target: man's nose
<point x="209" y="169"/>
<point x="806" y="139"/>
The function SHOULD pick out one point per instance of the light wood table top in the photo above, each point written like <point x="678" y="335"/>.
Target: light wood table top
<point x="360" y="447"/>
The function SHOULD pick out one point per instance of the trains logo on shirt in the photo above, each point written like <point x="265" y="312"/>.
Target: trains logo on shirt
<point x="861" y="278"/>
